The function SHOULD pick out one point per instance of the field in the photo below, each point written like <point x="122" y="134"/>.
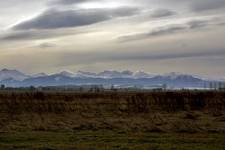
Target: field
<point x="112" y="120"/>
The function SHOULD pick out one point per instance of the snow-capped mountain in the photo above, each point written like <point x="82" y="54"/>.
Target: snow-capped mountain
<point x="12" y="74"/>
<point x="67" y="74"/>
<point x="174" y="75"/>
<point x="14" y="78"/>
<point x="107" y="74"/>
<point x="84" y="74"/>
<point x="39" y="75"/>
<point x="116" y="74"/>
<point x="141" y="74"/>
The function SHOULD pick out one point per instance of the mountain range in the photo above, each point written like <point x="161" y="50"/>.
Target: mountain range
<point x="123" y="79"/>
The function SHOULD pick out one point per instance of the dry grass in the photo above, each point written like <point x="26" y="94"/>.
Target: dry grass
<point x="186" y="111"/>
<point x="112" y="120"/>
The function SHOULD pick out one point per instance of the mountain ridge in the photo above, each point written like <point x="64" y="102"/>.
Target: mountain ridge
<point x="14" y="78"/>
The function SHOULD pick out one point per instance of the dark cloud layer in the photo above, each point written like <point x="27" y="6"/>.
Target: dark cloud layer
<point x="177" y="55"/>
<point x="193" y="5"/>
<point x="204" y="5"/>
<point x="40" y="34"/>
<point x="71" y="2"/>
<point x="194" y="24"/>
<point x="170" y="29"/>
<point x="53" y="19"/>
<point x="156" y="32"/>
<point x="162" y="13"/>
<point x="46" y="45"/>
<point x="27" y="35"/>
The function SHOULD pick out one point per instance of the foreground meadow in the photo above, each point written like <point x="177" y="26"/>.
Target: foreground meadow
<point x="112" y="120"/>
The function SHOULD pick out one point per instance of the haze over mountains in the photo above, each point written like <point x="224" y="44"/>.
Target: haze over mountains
<point x="123" y="79"/>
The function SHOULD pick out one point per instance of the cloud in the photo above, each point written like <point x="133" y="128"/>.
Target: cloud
<point x="54" y="19"/>
<point x="204" y="5"/>
<point x="71" y="2"/>
<point x="67" y="59"/>
<point x="40" y="34"/>
<point x="191" y="5"/>
<point x="15" y="36"/>
<point x="46" y="45"/>
<point x="169" y="29"/>
<point x="162" y="13"/>
<point x="26" y="35"/>
<point x="177" y="55"/>
<point x="155" y="32"/>
<point x="198" y="24"/>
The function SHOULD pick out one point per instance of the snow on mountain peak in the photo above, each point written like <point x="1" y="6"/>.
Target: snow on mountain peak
<point x="83" y="74"/>
<point x="121" y="78"/>
<point x="116" y="74"/>
<point x="12" y="74"/>
<point x="39" y="75"/>
<point x="142" y="74"/>
<point x="67" y="73"/>
<point x="173" y="75"/>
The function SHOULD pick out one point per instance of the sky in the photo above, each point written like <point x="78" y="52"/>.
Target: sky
<point x="156" y="36"/>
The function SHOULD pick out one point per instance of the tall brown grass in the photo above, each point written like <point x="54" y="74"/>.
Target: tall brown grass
<point x="112" y="102"/>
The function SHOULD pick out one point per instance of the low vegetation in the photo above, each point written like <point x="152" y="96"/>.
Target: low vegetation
<point x="112" y="120"/>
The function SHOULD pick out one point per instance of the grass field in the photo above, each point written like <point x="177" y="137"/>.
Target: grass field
<point x="109" y="140"/>
<point x="112" y="120"/>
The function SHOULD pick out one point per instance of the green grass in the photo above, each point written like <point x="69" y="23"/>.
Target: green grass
<point x="110" y="140"/>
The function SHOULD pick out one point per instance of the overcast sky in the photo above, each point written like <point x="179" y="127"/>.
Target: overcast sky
<point x="156" y="36"/>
